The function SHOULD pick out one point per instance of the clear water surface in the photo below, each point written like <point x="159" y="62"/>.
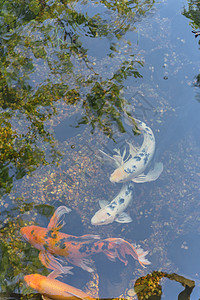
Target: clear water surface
<point x="68" y="69"/>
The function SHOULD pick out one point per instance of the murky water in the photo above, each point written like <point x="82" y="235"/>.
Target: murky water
<point x="68" y="71"/>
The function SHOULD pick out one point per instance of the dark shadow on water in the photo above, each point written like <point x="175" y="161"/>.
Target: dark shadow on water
<point x="113" y="276"/>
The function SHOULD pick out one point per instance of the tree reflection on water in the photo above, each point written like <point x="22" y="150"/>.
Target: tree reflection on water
<point x="44" y="60"/>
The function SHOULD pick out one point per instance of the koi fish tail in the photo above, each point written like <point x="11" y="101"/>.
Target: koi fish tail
<point x="141" y="255"/>
<point x="138" y="253"/>
<point x="119" y="248"/>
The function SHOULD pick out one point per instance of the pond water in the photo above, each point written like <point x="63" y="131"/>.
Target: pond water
<point x="68" y="72"/>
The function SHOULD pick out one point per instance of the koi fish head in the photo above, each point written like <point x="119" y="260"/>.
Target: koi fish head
<point x="118" y="175"/>
<point x="102" y="217"/>
<point x="34" y="281"/>
<point x="34" y="235"/>
<point x="25" y="231"/>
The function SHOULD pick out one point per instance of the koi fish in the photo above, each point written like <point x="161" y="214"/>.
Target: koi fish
<point x="51" y="288"/>
<point x="114" y="211"/>
<point x="50" y="241"/>
<point x="133" y="167"/>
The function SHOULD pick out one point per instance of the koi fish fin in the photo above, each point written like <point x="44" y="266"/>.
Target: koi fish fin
<point x="83" y="263"/>
<point x="109" y="159"/>
<point x="56" y="222"/>
<point x="152" y="175"/>
<point x="123" y="218"/>
<point x="121" y="158"/>
<point x="141" y="256"/>
<point x="133" y="150"/>
<point x="136" y="252"/>
<point x="54" y="274"/>
<point x="65" y="295"/>
<point x="45" y="297"/>
<point x="112" y="253"/>
<point x="129" y="120"/>
<point x="111" y="256"/>
<point x="90" y="237"/>
<point x="50" y="262"/>
<point x="123" y="248"/>
<point x="103" y="203"/>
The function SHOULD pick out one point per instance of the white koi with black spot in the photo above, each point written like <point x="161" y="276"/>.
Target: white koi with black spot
<point x="114" y="211"/>
<point x="133" y="167"/>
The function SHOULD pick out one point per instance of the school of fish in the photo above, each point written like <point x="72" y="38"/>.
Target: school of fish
<point x="57" y="249"/>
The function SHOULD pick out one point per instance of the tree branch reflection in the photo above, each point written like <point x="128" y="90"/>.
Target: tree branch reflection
<point x="44" y="59"/>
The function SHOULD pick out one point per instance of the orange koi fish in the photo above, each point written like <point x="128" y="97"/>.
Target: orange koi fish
<point x="50" y="241"/>
<point x="51" y="288"/>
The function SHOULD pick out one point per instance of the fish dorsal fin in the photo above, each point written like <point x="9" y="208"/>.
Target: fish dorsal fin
<point x="103" y="203"/>
<point x="113" y="161"/>
<point x="123" y="218"/>
<point x="90" y="237"/>
<point x="118" y="157"/>
<point x="133" y="150"/>
<point x="56" y="221"/>
<point x="73" y="294"/>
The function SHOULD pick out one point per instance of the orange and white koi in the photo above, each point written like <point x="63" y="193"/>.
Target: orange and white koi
<point x="133" y="167"/>
<point x="50" y="241"/>
<point x="51" y="288"/>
